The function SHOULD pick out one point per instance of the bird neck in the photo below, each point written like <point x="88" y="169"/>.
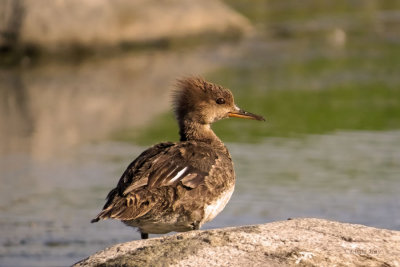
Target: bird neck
<point x="194" y="131"/>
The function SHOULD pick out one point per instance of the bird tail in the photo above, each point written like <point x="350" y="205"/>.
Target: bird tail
<point x="95" y="220"/>
<point x="125" y="208"/>
<point x="104" y="214"/>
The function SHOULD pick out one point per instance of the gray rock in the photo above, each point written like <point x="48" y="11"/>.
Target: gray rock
<point x="59" y="24"/>
<point x="297" y="242"/>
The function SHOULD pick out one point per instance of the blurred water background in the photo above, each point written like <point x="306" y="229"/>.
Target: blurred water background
<point x="325" y="74"/>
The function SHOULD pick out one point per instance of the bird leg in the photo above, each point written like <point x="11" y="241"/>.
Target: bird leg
<point x="144" y="235"/>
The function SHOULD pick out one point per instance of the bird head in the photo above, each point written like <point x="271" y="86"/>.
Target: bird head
<point x="203" y="102"/>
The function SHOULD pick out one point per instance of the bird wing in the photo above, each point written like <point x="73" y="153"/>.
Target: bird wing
<point x="185" y="163"/>
<point x="163" y="165"/>
<point x="167" y="164"/>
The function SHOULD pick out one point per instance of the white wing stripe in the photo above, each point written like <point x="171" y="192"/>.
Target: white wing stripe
<point x="179" y="174"/>
<point x="171" y="172"/>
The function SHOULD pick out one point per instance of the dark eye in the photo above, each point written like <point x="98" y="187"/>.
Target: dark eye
<point x="220" y="101"/>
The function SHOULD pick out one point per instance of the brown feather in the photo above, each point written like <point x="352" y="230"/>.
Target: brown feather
<point x="179" y="186"/>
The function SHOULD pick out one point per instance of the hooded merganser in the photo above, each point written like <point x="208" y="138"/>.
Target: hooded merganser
<point x="180" y="186"/>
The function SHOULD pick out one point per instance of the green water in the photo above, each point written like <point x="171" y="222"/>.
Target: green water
<point x="313" y="67"/>
<point x="368" y="102"/>
<point x="294" y="113"/>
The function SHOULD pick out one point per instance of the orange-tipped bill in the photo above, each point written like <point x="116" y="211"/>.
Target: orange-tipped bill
<point x="239" y="113"/>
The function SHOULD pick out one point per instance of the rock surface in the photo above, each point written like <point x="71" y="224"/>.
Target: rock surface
<point x="58" y="24"/>
<point x="297" y="242"/>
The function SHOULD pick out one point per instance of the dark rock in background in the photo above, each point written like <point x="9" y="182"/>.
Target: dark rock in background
<point x="59" y="25"/>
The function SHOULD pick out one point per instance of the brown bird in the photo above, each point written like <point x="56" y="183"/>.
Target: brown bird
<point x="180" y="186"/>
